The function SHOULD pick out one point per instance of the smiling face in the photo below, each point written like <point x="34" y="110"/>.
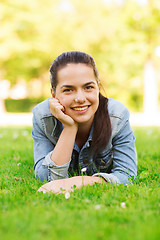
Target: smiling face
<point x="77" y="90"/>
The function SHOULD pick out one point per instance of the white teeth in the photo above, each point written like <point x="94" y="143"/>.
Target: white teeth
<point x="80" y="108"/>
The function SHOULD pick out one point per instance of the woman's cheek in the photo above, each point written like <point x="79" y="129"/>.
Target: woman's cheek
<point x="62" y="100"/>
<point x="65" y="103"/>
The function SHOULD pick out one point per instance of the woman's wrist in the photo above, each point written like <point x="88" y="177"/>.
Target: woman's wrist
<point x="73" y="127"/>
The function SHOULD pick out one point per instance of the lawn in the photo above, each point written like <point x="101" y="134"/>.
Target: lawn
<point x="93" y="212"/>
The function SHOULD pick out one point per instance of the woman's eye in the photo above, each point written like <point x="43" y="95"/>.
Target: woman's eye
<point x="89" y="87"/>
<point x="67" y="90"/>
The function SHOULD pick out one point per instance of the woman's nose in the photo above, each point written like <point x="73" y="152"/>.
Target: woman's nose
<point x="80" y="97"/>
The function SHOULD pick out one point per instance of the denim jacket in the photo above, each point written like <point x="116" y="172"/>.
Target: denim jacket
<point x="116" y="163"/>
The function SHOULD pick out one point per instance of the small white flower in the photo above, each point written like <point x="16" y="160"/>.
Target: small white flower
<point x="19" y="164"/>
<point x="97" y="207"/>
<point x="123" y="205"/>
<point x="84" y="169"/>
<point x="67" y="195"/>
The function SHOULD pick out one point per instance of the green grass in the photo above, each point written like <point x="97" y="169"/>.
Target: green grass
<point x="93" y="212"/>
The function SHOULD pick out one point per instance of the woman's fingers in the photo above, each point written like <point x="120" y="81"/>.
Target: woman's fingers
<point x="57" y="110"/>
<point x="55" y="107"/>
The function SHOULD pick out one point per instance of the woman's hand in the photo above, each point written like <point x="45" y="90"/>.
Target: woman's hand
<point x="67" y="184"/>
<point x="57" y="111"/>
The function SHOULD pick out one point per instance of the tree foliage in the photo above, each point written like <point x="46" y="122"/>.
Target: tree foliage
<point x="121" y="37"/>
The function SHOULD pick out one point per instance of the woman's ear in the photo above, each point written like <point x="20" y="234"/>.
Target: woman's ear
<point x="52" y="92"/>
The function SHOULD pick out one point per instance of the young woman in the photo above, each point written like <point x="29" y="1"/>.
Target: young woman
<point x="79" y="130"/>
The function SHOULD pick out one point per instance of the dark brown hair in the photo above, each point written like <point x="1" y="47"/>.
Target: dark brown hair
<point x="102" y="125"/>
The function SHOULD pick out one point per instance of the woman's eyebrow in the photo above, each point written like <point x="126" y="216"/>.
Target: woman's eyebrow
<point x="88" y="83"/>
<point x="71" y="86"/>
<point x="67" y="86"/>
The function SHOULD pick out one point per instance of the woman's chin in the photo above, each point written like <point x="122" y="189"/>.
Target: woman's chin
<point x="83" y="121"/>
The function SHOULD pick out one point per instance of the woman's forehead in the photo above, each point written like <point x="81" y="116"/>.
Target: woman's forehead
<point x="75" y="71"/>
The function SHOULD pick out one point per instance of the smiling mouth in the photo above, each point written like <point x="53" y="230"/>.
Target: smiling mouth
<point x="80" y="108"/>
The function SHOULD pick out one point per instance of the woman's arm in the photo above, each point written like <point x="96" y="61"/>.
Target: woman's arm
<point x="64" y="147"/>
<point x="69" y="184"/>
<point x="52" y="159"/>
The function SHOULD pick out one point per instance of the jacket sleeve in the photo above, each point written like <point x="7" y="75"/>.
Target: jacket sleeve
<point x="45" y="168"/>
<point x="124" y="152"/>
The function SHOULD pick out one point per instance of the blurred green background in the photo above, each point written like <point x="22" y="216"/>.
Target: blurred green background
<point x="123" y="36"/>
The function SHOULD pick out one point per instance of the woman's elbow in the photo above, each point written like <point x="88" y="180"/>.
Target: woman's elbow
<point x="41" y="173"/>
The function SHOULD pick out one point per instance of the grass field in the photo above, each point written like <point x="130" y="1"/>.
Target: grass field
<point x="93" y="212"/>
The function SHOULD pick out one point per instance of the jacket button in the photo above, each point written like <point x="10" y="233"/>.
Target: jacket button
<point x="103" y="163"/>
<point x="85" y="160"/>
